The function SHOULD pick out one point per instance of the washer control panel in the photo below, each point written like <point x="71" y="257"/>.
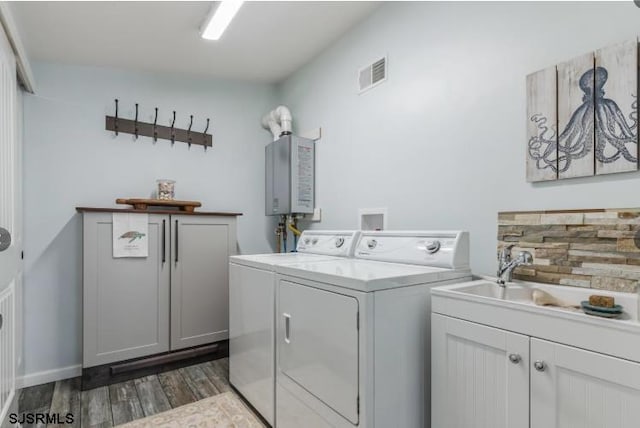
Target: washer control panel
<point x="334" y="243"/>
<point x="438" y="249"/>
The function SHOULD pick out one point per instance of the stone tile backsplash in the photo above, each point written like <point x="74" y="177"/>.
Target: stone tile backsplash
<point x="585" y="248"/>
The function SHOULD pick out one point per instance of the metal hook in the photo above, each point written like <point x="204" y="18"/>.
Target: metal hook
<point x="189" y="131"/>
<point x="155" y="129"/>
<point x="135" y="123"/>
<point x="204" y="135"/>
<point x="173" y="132"/>
<point x="115" y="122"/>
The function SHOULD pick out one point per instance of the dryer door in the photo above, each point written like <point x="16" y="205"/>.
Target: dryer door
<point x="318" y="344"/>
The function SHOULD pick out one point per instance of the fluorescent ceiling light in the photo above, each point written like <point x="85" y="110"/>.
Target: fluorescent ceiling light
<point x="219" y="19"/>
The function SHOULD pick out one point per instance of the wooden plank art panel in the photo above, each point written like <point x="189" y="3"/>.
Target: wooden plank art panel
<point x="575" y="117"/>
<point x="616" y="108"/>
<point x="582" y="115"/>
<point x="542" y="127"/>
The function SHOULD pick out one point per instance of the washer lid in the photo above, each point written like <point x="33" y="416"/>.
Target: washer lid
<point x="268" y="261"/>
<point x="365" y="275"/>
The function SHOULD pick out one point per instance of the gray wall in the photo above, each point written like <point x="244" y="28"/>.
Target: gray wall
<point x="70" y="160"/>
<point x="442" y="142"/>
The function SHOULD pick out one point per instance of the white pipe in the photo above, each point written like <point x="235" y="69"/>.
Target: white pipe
<point x="278" y="121"/>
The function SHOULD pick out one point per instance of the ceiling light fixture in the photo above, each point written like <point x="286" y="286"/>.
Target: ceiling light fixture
<point x="219" y="18"/>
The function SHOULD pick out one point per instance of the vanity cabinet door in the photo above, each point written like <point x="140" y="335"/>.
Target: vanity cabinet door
<point x="480" y="376"/>
<point x="571" y="387"/>
<point x="200" y="250"/>
<point x="125" y="300"/>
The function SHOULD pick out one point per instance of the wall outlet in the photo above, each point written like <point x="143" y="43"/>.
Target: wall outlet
<point x="316" y="216"/>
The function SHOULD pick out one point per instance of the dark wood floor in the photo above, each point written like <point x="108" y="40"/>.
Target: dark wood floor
<point x="119" y="403"/>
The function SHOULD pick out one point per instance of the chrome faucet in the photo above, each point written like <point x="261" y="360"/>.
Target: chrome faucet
<point x="506" y="264"/>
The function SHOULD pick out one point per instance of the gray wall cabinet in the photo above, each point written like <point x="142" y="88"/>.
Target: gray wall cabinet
<point x="177" y="297"/>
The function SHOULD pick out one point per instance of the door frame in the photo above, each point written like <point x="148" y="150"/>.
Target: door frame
<point x="11" y="265"/>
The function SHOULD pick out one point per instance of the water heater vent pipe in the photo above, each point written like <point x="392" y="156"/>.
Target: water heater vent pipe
<point x="278" y="121"/>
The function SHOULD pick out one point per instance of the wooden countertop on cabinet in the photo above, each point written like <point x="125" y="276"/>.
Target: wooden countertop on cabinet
<point x="154" y="211"/>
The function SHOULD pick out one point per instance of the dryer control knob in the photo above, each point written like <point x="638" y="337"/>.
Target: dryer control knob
<point x="307" y="240"/>
<point x="339" y="242"/>
<point x="314" y="241"/>
<point x="372" y="243"/>
<point x="432" y="247"/>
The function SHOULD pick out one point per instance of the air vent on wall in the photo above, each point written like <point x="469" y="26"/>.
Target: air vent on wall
<point x="372" y="75"/>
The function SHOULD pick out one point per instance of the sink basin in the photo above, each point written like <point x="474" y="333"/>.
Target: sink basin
<point x="494" y="291"/>
<point x="521" y="293"/>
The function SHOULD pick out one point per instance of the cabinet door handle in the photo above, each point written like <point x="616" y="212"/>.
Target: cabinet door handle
<point x="177" y="243"/>
<point x="287" y="328"/>
<point x="164" y="241"/>
<point x="540" y="366"/>
<point x="515" y="358"/>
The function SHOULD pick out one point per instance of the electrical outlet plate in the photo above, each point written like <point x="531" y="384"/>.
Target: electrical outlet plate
<point x="315" y="217"/>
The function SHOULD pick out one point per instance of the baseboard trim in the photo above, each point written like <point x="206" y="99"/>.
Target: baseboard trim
<point x="110" y="373"/>
<point x="47" y="376"/>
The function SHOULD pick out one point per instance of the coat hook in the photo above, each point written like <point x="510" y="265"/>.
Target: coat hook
<point x="155" y="129"/>
<point x="135" y="123"/>
<point x="115" y="122"/>
<point x="173" y="132"/>
<point x="204" y="135"/>
<point x="189" y="131"/>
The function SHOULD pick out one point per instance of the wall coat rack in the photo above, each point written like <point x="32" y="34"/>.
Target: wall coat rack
<point x="155" y="131"/>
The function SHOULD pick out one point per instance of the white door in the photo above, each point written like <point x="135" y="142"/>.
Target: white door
<point x="574" y="388"/>
<point x="10" y="220"/>
<point x="480" y="376"/>
<point x="318" y="345"/>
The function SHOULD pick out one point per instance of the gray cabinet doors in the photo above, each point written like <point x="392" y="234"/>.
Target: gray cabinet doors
<point x="200" y="250"/>
<point x="125" y="299"/>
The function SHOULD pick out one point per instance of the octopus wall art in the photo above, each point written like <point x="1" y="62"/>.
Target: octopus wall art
<point x="596" y="131"/>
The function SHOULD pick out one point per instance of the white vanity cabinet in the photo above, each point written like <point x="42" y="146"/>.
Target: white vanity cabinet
<point x="486" y="377"/>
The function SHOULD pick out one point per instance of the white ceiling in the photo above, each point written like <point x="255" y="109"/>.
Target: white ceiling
<point x="266" y="41"/>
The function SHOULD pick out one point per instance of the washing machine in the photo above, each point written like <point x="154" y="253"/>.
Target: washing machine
<point x="353" y="335"/>
<point x="252" y="312"/>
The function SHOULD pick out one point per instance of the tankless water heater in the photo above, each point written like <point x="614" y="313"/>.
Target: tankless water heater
<point x="290" y="176"/>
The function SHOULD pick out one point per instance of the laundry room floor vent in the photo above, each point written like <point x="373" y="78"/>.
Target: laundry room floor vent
<point x="372" y="75"/>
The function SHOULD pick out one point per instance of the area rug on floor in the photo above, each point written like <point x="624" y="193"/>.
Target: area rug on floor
<point x="223" y="410"/>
